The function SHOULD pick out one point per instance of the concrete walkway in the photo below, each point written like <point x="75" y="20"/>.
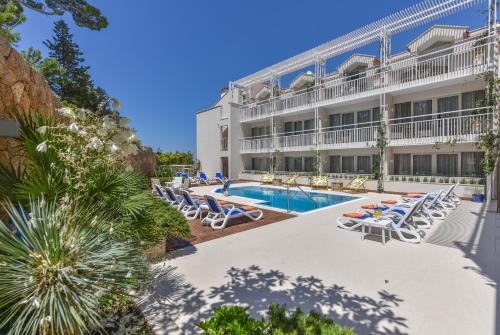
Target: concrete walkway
<point x="307" y="262"/>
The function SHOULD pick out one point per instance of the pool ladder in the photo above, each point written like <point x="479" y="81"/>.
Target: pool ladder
<point x="300" y="188"/>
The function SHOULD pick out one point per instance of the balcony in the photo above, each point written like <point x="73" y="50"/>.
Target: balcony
<point x="223" y="144"/>
<point x="456" y="126"/>
<point x="298" y="142"/>
<point x="466" y="59"/>
<point x="459" y="126"/>
<point x="256" y="145"/>
<point x="336" y="138"/>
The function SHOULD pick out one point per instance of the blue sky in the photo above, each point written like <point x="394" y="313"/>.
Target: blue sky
<point x="167" y="59"/>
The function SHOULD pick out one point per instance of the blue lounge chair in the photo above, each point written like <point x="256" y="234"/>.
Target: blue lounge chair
<point x="204" y="179"/>
<point x="192" y="207"/>
<point x="218" y="216"/>
<point x="170" y="197"/>
<point x="220" y="178"/>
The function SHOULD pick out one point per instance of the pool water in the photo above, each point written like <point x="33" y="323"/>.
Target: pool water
<point x="298" y="201"/>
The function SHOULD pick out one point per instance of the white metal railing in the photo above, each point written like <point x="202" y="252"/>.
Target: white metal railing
<point x="223" y="144"/>
<point x="256" y="145"/>
<point x="460" y="126"/>
<point x="467" y="58"/>
<point x="296" y="142"/>
<point x="347" y="138"/>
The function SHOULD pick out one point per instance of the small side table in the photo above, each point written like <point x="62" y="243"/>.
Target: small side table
<point x="277" y="182"/>
<point x="383" y="225"/>
<point x="337" y="186"/>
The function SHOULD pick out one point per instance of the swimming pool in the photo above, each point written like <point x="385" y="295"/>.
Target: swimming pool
<point x="298" y="201"/>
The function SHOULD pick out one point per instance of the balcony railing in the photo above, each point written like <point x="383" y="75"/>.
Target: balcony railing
<point x="338" y="138"/>
<point x="460" y="126"/>
<point x="296" y="142"/>
<point x="465" y="59"/>
<point x="223" y="144"/>
<point x="456" y="126"/>
<point x="256" y="145"/>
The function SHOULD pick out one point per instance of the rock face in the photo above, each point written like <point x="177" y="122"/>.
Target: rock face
<point x="22" y="88"/>
<point x="144" y="162"/>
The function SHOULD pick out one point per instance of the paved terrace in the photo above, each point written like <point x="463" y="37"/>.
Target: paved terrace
<point x="445" y="285"/>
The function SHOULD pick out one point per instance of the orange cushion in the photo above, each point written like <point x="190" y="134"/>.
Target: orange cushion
<point x="372" y="206"/>
<point x="412" y="195"/>
<point x="247" y="208"/>
<point x="389" y="202"/>
<point x="222" y="202"/>
<point x="353" y="215"/>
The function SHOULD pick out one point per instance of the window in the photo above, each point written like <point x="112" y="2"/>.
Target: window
<point x="363" y="118"/>
<point x="297" y="127"/>
<point x="293" y="164"/>
<point x="422" y="165"/>
<point x="347" y="164"/>
<point x="447" y="165"/>
<point x="446" y="105"/>
<point x="308" y="126"/>
<point x="421" y="108"/>
<point x="335" y="164"/>
<point x="364" y="164"/>
<point x="288" y="128"/>
<point x="260" y="131"/>
<point x="335" y="121"/>
<point x="402" y="164"/>
<point x="402" y="111"/>
<point x="375" y="116"/>
<point x="473" y="99"/>
<point x="261" y="164"/>
<point x="297" y="164"/>
<point x="347" y="120"/>
<point x="471" y="164"/>
<point x="288" y="164"/>
<point x="308" y="164"/>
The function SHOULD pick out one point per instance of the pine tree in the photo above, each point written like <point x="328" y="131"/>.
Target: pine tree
<point x="75" y="86"/>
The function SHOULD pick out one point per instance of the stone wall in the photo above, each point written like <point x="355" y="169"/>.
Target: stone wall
<point x="144" y="162"/>
<point x="24" y="89"/>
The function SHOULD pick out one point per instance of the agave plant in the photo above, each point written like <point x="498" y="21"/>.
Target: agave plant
<point x="57" y="262"/>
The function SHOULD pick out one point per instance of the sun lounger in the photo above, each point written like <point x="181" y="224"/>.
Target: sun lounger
<point x="192" y="207"/>
<point x="267" y="178"/>
<point x="218" y="215"/>
<point x="154" y="181"/>
<point x="356" y="185"/>
<point x="398" y="221"/>
<point x="220" y="178"/>
<point x="291" y="181"/>
<point x="169" y="196"/>
<point x="173" y="199"/>
<point x="204" y="179"/>
<point x="319" y="182"/>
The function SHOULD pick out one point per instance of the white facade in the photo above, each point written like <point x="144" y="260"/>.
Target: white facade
<point x="431" y="101"/>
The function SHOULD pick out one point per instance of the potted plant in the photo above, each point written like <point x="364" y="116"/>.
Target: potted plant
<point x="478" y="195"/>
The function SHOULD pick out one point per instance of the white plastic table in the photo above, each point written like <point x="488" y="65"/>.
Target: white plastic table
<point x="383" y="224"/>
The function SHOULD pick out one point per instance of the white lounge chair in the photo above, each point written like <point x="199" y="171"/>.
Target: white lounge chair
<point x="192" y="207"/>
<point x="218" y="216"/>
<point x="398" y="221"/>
<point x="420" y="218"/>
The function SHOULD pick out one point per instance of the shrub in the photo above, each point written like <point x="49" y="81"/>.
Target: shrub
<point x="432" y="180"/>
<point x="58" y="265"/>
<point x="235" y="320"/>
<point x="463" y="181"/>
<point x="424" y="180"/>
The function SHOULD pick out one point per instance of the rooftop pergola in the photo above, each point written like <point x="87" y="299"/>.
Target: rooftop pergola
<point x="411" y="17"/>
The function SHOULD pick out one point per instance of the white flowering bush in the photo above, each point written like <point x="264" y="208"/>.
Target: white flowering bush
<point x="86" y="144"/>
